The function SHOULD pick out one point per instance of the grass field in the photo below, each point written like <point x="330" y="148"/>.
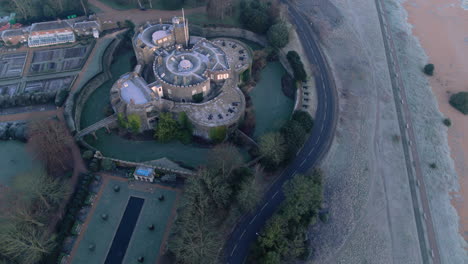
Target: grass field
<point x="156" y="5"/>
<point x="143" y="241"/>
<point x="95" y="9"/>
<point x="14" y="159"/>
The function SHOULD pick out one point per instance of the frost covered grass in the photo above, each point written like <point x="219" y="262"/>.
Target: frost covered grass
<point x="431" y="136"/>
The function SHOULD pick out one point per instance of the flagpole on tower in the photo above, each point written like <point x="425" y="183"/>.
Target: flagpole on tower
<point x="185" y="29"/>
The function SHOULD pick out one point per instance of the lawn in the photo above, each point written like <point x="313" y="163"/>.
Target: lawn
<point x="203" y="19"/>
<point x="14" y="159"/>
<point x="143" y="242"/>
<point x="156" y="5"/>
<point x="95" y="9"/>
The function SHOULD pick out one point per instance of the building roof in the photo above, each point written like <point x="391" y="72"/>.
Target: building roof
<point x="160" y="34"/>
<point x="134" y="88"/>
<point x="225" y="109"/>
<point x="144" y="171"/>
<point x="147" y="35"/>
<point x="14" y="32"/>
<point x="188" y="67"/>
<point x="50" y="25"/>
<point x="86" y="25"/>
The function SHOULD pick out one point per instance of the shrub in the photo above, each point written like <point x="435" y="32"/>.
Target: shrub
<point x="134" y="123"/>
<point x="297" y="66"/>
<point x="218" y="134"/>
<point x="294" y="135"/>
<point x="167" y="128"/>
<point x="108" y="165"/>
<point x="304" y="119"/>
<point x="284" y="237"/>
<point x="122" y="121"/>
<point x="447" y="122"/>
<point x="278" y="35"/>
<point x="61" y="97"/>
<point x="88" y="154"/>
<point x="273" y="147"/>
<point x="324" y="217"/>
<point x="254" y="16"/>
<point x="245" y="76"/>
<point x="460" y="102"/>
<point x="429" y="69"/>
<point x="197" y="98"/>
<point x="272" y="54"/>
<point x="94" y="165"/>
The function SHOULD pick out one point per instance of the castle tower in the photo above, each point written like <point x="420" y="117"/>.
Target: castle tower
<point x="181" y="32"/>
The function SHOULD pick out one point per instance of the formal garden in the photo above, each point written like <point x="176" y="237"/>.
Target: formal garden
<point x="103" y="225"/>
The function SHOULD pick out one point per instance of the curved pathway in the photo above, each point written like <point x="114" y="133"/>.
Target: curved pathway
<point x="244" y="234"/>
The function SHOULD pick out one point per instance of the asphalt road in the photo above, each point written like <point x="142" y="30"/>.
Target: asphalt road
<point x="237" y="247"/>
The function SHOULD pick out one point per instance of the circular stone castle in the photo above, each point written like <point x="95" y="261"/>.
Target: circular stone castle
<point x="179" y="73"/>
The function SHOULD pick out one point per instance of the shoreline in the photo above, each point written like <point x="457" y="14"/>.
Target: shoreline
<point x="440" y="28"/>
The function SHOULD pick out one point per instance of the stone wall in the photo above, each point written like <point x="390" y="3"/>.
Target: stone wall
<point x="77" y="98"/>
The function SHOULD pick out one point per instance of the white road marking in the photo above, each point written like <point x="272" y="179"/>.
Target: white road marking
<point x="253" y="219"/>
<point x="242" y="234"/>
<point x="264" y="206"/>
<point x="234" y="249"/>
<point x="302" y="163"/>
<point x="310" y="152"/>
<point x="274" y="194"/>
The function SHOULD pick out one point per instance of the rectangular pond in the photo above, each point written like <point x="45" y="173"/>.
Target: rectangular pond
<point x="125" y="231"/>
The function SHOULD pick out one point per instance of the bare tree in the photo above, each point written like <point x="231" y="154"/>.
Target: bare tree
<point x="51" y="142"/>
<point x="25" y="8"/>
<point x="249" y="192"/>
<point x="39" y="186"/>
<point x="21" y="211"/>
<point x="273" y="147"/>
<point x="25" y="244"/>
<point x="225" y="157"/>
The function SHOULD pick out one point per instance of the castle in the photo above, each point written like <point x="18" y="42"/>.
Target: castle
<point x="178" y="73"/>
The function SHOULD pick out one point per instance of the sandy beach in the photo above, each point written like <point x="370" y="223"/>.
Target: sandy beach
<point x="442" y="29"/>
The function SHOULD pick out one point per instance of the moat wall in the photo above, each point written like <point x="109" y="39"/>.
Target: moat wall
<point x="77" y="98"/>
